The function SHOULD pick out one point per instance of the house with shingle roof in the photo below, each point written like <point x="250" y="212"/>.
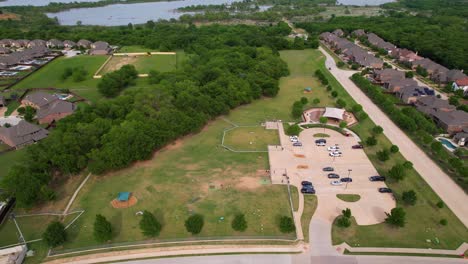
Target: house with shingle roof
<point x="394" y="85"/>
<point x="410" y="94"/>
<point x="461" y="138"/>
<point x="452" y="121"/>
<point x="358" y="33"/>
<point x="338" y="32"/>
<point x="20" y="43"/>
<point x="84" y="43"/>
<point x="6" y="42"/>
<point x="386" y="75"/>
<point x="100" y="48"/>
<point x="4" y="50"/>
<point x="49" y="107"/>
<point x="431" y="67"/>
<point x="405" y="55"/>
<point x="54" y="43"/>
<point x="69" y="44"/>
<point x="461" y="84"/>
<point x="448" y="76"/>
<point x="37" y="43"/>
<point x="380" y="43"/>
<point x="429" y="105"/>
<point x="22" y="134"/>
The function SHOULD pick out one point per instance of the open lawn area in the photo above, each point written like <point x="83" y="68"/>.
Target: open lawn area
<point x="310" y="204"/>
<point x="7" y="160"/>
<point x="134" y="48"/>
<point x="250" y="138"/>
<point x="143" y="63"/>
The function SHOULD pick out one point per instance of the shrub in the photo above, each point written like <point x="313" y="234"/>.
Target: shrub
<point x="409" y="74"/>
<point x="297" y="109"/>
<point x="316" y="101"/>
<point x="377" y="130"/>
<point x="396" y="217"/>
<point x="371" y="141"/>
<point x="293" y="130"/>
<point x="363" y="116"/>
<point x="343" y="124"/>
<point x="329" y="88"/>
<point x="340" y="64"/>
<point x="440" y="204"/>
<point x="443" y="222"/>
<point x="334" y="94"/>
<point x="304" y="100"/>
<point x="194" y="224"/>
<point x="383" y="155"/>
<point x="341" y="103"/>
<point x="394" y="149"/>
<point x="357" y="108"/>
<point x="55" y="234"/>
<point x="437" y="147"/>
<point x="343" y="222"/>
<point x="102" y="229"/>
<point x="408" y="165"/>
<point x="409" y="197"/>
<point x="397" y="172"/>
<point x="346" y="213"/>
<point x="287" y="224"/>
<point x="239" y="223"/>
<point x="149" y="225"/>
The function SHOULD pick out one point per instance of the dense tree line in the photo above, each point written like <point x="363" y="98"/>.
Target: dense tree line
<point x="440" y="35"/>
<point x="224" y="71"/>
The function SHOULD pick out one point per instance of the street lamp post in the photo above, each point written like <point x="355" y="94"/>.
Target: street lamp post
<point x="349" y="173"/>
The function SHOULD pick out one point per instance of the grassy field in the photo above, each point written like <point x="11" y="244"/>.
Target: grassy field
<point x="349" y="197"/>
<point x="310" y="204"/>
<point x="353" y="11"/>
<point x="143" y="64"/>
<point x="134" y="48"/>
<point x="7" y="160"/>
<point x="31" y="227"/>
<point x="251" y="138"/>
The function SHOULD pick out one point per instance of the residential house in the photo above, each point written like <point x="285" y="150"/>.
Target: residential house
<point x="83" y="43"/>
<point x="453" y="122"/>
<point x="430" y="104"/>
<point x="69" y="44"/>
<point x="2" y="101"/>
<point x="380" y="43"/>
<point x="431" y="67"/>
<point x="386" y="75"/>
<point x="369" y="61"/>
<point x="37" y="43"/>
<point x="410" y="94"/>
<point x="445" y="77"/>
<point x="22" y="134"/>
<point x="19" y="43"/>
<point x="394" y="85"/>
<point x="55" y="43"/>
<point x="461" y="138"/>
<point x="338" y="32"/>
<point x="358" y="33"/>
<point x="405" y="55"/>
<point x="6" y="42"/>
<point x="8" y="61"/>
<point x="4" y="50"/>
<point x="100" y="48"/>
<point x="461" y="84"/>
<point x="329" y="38"/>
<point x="49" y="107"/>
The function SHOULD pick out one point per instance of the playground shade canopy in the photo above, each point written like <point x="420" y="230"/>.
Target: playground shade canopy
<point x="335" y="113"/>
<point x="123" y="196"/>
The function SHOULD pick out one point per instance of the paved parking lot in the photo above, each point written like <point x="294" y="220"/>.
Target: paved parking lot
<point x="306" y="163"/>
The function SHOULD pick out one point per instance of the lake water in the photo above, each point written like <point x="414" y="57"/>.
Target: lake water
<point x="38" y="2"/>
<point x="364" y="2"/>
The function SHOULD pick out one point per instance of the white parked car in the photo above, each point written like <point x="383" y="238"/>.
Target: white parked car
<point x="334" y="154"/>
<point x="336" y="183"/>
<point x="321" y="144"/>
<point x="333" y="148"/>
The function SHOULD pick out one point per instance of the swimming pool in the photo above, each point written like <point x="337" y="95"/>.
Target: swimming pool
<point x="447" y="143"/>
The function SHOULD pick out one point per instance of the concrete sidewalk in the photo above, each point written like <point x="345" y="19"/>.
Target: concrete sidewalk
<point x="456" y="252"/>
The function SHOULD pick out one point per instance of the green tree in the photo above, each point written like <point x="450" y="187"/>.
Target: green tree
<point x="239" y="223"/>
<point x="397" y="172"/>
<point x="316" y="101"/>
<point x="346" y="213"/>
<point x="334" y="94"/>
<point x="293" y="130"/>
<point x="323" y="120"/>
<point x="437" y="147"/>
<point x="363" y="116"/>
<point x="407" y="165"/>
<point x="409" y="197"/>
<point x="357" y="108"/>
<point x="79" y="74"/>
<point x="102" y="229"/>
<point x="443" y="222"/>
<point x="194" y="224"/>
<point x="421" y="71"/>
<point x="343" y="222"/>
<point x="341" y="103"/>
<point x="409" y="74"/>
<point x="287" y="224"/>
<point x="396" y="217"/>
<point x="304" y="100"/>
<point x="383" y="155"/>
<point x="149" y="225"/>
<point x="340" y="64"/>
<point x="394" y="149"/>
<point x="377" y="130"/>
<point x="440" y="204"/>
<point x="343" y="124"/>
<point x="371" y="141"/>
<point x="454" y="100"/>
<point x="55" y="234"/>
<point x="297" y="109"/>
<point x="29" y="113"/>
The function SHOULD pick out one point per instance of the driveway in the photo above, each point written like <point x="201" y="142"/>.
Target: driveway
<point x="453" y="196"/>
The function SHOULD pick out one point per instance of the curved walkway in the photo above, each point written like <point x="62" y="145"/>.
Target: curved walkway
<point x="440" y="182"/>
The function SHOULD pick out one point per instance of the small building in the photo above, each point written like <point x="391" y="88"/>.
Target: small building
<point x="55" y="43"/>
<point x="38" y="99"/>
<point x="410" y="94"/>
<point x="37" y="43"/>
<point x="461" y="84"/>
<point x="461" y="138"/>
<point x="100" y="48"/>
<point x="338" y="32"/>
<point x="69" y="44"/>
<point x="19" y="43"/>
<point x="394" y="85"/>
<point x="387" y="75"/>
<point x="4" y="50"/>
<point x="22" y="134"/>
<point x="358" y="33"/>
<point x="84" y="43"/>
<point x="13" y="255"/>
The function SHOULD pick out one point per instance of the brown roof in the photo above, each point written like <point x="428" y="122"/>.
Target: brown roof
<point x="56" y="107"/>
<point x="456" y="117"/>
<point x="23" y="133"/>
<point x="40" y="98"/>
<point x="462" y="82"/>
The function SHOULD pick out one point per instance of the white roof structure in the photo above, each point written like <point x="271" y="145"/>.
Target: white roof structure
<point x="13" y="255"/>
<point x="335" y="113"/>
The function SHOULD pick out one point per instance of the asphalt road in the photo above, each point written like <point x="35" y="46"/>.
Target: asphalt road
<point x="453" y="196"/>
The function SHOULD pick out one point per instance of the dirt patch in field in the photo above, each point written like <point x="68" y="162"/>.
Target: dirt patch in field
<point x="9" y="16"/>
<point x="263" y="173"/>
<point x="249" y="183"/>
<point x="117" y="62"/>
<point x="118" y="204"/>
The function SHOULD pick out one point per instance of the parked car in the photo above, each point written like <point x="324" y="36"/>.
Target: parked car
<point x="385" y="190"/>
<point x="328" y="169"/>
<point x="321" y="144"/>
<point x="347" y="179"/>
<point x="306" y="183"/>
<point x="333" y="176"/>
<point x="297" y="144"/>
<point x="358" y="146"/>
<point x="333" y="148"/>
<point x="377" y="178"/>
<point x="308" y="190"/>
<point x="336" y="183"/>
<point x="321" y="140"/>
<point x="335" y="154"/>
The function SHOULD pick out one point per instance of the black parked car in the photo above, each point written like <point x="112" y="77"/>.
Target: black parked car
<point x="308" y="190"/>
<point x="328" y="169"/>
<point x="377" y="178"/>
<point x="306" y="183"/>
<point x="297" y="144"/>
<point x="347" y="179"/>
<point x="358" y="146"/>
<point x="333" y="176"/>
<point x="385" y="190"/>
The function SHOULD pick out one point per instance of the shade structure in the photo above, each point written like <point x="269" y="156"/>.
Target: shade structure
<point x="336" y="113"/>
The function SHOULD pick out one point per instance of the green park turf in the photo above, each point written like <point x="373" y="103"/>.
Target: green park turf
<point x="349" y="197"/>
<point x="250" y="138"/>
<point x="310" y="204"/>
<point x="8" y="159"/>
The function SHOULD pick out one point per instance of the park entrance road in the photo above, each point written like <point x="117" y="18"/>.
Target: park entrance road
<point x="440" y="182"/>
